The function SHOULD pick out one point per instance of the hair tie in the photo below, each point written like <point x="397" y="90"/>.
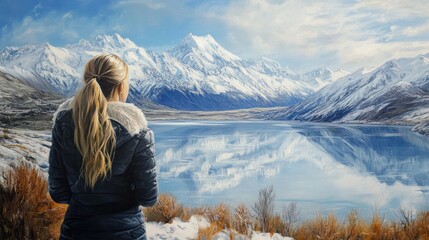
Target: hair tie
<point x="97" y="78"/>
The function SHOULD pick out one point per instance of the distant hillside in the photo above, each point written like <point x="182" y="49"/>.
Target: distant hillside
<point x="25" y="106"/>
<point x="396" y="92"/>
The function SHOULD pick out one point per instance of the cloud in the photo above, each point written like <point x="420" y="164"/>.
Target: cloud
<point x="152" y="4"/>
<point x="37" y="8"/>
<point x="300" y="34"/>
<point x="334" y="33"/>
<point x="413" y="31"/>
<point x="153" y="23"/>
<point x="396" y="8"/>
<point x="54" y="27"/>
<point x="68" y="16"/>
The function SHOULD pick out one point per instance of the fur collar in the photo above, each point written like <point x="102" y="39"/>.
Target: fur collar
<point x="130" y="116"/>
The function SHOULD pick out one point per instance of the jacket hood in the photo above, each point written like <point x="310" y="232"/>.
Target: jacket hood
<point x="127" y="114"/>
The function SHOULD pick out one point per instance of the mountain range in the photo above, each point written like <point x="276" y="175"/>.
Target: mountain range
<point x="199" y="74"/>
<point x="396" y="92"/>
<point x="196" y="74"/>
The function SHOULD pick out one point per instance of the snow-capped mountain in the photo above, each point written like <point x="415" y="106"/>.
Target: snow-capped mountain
<point x="110" y="43"/>
<point x="202" y="53"/>
<point x="323" y="76"/>
<point x="44" y="67"/>
<point x="396" y="92"/>
<point x="197" y="74"/>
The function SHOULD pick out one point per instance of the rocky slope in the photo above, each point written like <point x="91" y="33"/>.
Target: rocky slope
<point x="24" y="106"/>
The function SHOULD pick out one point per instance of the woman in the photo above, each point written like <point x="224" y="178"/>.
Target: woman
<point x="102" y="158"/>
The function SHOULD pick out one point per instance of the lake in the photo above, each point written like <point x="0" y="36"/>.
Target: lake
<point x="322" y="167"/>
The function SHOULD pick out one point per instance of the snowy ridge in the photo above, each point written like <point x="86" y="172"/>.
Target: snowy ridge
<point x="44" y="67"/>
<point x="197" y="74"/>
<point x="113" y="43"/>
<point x="323" y="76"/>
<point x="396" y="92"/>
<point x="202" y="52"/>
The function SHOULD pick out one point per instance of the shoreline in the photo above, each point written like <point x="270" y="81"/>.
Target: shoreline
<point x="43" y="120"/>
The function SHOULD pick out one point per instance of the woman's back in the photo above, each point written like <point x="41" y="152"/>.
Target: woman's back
<point x="110" y="209"/>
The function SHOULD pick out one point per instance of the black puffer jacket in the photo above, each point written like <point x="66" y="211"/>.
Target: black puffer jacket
<point x="112" y="209"/>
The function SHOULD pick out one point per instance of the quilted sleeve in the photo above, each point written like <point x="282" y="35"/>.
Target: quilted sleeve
<point x="59" y="188"/>
<point x="143" y="170"/>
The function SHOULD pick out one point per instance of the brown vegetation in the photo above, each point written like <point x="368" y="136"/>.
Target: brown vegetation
<point x="264" y="208"/>
<point x="291" y="216"/>
<point x="17" y="145"/>
<point x="165" y="210"/>
<point x="26" y="210"/>
<point x="242" y="220"/>
<point x="355" y="228"/>
<point x="207" y="233"/>
<point x="220" y="215"/>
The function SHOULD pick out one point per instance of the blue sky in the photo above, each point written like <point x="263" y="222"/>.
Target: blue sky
<point x="300" y="34"/>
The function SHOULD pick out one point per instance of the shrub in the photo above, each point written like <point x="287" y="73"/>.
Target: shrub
<point x="319" y="228"/>
<point x="378" y="229"/>
<point x="277" y="225"/>
<point x="201" y="211"/>
<point x="220" y="215"/>
<point x="412" y="226"/>
<point x="354" y="228"/>
<point x="264" y="208"/>
<point x="165" y="210"/>
<point x="208" y="232"/>
<point x="422" y="225"/>
<point x="242" y="220"/>
<point x="186" y="214"/>
<point x="290" y="215"/>
<point x="26" y="210"/>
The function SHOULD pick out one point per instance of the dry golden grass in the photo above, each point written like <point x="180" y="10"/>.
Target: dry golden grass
<point x="186" y="214"/>
<point x="220" y="215"/>
<point x="17" y="145"/>
<point x="208" y="232"/>
<point x="27" y="211"/>
<point x="276" y="225"/>
<point x="319" y="228"/>
<point x="354" y="228"/>
<point x="242" y="221"/>
<point x="420" y="228"/>
<point x="165" y="210"/>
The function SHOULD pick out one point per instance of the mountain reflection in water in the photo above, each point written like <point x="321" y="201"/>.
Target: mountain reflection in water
<point x="322" y="167"/>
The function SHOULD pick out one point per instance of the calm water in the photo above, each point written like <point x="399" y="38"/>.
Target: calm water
<point x="322" y="167"/>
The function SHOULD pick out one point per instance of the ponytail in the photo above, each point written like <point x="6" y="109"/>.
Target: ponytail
<point x="94" y="136"/>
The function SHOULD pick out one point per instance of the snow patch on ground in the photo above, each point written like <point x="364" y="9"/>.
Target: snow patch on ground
<point x="180" y="230"/>
<point x="224" y="235"/>
<point x="24" y="145"/>
<point x="177" y="229"/>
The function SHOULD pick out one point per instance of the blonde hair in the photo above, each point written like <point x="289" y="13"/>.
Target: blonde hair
<point x="94" y="135"/>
